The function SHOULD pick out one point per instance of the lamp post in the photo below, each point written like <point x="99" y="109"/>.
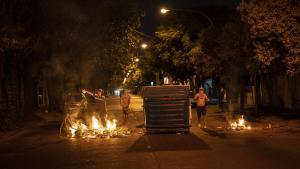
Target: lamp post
<point x="164" y="11"/>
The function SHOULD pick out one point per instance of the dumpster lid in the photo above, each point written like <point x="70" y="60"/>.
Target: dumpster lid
<point x="170" y="91"/>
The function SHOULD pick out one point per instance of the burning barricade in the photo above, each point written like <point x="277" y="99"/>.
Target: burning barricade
<point x="78" y="123"/>
<point x="96" y="129"/>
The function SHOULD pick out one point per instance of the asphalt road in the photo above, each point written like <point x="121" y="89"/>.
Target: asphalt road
<point x="40" y="147"/>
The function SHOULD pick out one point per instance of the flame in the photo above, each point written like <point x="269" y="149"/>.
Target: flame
<point x="78" y="129"/>
<point x="111" y="125"/>
<point x="73" y="130"/>
<point x="77" y="126"/>
<point x="95" y="123"/>
<point x="240" y="124"/>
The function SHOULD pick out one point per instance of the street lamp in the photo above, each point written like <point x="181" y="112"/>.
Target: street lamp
<point x="165" y="10"/>
<point x="144" y="45"/>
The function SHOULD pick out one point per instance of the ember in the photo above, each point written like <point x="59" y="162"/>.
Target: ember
<point x="240" y="124"/>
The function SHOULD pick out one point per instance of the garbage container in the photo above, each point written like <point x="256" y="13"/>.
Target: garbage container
<point x="166" y="108"/>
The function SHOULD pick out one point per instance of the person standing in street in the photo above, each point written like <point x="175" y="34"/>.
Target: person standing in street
<point x="201" y="99"/>
<point x="100" y="104"/>
<point x="125" y="103"/>
<point x="224" y="102"/>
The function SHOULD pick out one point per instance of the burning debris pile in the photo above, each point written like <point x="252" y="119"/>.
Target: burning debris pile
<point x="78" y="122"/>
<point x="76" y="128"/>
<point x="240" y="124"/>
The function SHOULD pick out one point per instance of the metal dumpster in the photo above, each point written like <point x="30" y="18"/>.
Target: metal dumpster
<point x="166" y="108"/>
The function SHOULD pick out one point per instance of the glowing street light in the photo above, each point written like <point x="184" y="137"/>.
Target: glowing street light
<point x="144" y="45"/>
<point x="164" y="10"/>
<point x="137" y="60"/>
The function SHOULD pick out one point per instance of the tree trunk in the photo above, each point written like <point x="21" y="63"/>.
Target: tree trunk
<point x="20" y="90"/>
<point x="257" y="92"/>
<point x="192" y="84"/>
<point x="199" y="81"/>
<point x="242" y="98"/>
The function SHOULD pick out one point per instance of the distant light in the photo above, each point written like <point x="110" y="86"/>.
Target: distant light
<point x="144" y="45"/>
<point x="129" y="71"/>
<point x="164" y="10"/>
<point x="117" y="92"/>
<point x="137" y="60"/>
<point x="166" y="80"/>
<point x="151" y="83"/>
<point x="124" y="81"/>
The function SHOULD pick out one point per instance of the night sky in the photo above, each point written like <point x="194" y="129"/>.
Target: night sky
<point x="152" y="7"/>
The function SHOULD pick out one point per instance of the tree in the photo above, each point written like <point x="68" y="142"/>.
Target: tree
<point x="178" y="52"/>
<point x="88" y="42"/>
<point x="15" y="45"/>
<point x="274" y="30"/>
<point x="187" y="46"/>
<point x="69" y="43"/>
<point x="234" y="62"/>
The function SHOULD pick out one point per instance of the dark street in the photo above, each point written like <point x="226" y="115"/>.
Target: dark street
<point x="149" y="84"/>
<point x="41" y="147"/>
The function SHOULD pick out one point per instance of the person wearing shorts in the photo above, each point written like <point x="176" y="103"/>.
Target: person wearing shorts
<point x="201" y="99"/>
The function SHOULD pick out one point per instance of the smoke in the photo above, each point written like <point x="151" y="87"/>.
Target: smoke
<point x="76" y="39"/>
<point x="75" y="35"/>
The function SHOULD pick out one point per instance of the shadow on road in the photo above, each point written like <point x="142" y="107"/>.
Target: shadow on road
<point x="40" y="130"/>
<point x="215" y="133"/>
<point x="168" y="142"/>
<point x="218" y="116"/>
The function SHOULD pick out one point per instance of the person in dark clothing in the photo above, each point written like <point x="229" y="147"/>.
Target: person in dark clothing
<point x="100" y="104"/>
<point x="224" y="102"/>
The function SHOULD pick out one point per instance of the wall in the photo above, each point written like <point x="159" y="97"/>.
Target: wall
<point x="281" y="93"/>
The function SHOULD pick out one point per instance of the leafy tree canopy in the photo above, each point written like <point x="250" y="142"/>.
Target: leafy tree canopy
<point x="275" y="32"/>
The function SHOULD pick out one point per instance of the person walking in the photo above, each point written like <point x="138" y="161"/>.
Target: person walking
<point x="100" y="104"/>
<point x="224" y="102"/>
<point x="201" y="99"/>
<point x="125" y="103"/>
